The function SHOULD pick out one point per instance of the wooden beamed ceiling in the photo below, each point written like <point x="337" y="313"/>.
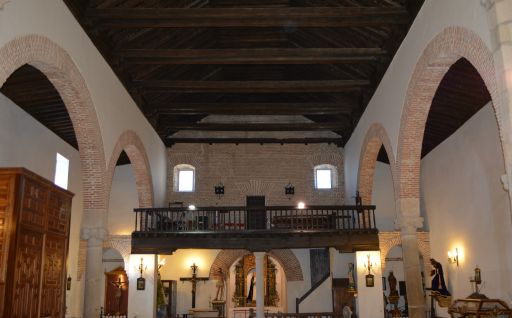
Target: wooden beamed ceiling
<point x="183" y="61"/>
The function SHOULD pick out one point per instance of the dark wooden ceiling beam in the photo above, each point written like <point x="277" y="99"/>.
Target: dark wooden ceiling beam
<point x="174" y="126"/>
<point x="252" y="56"/>
<point x="172" y="141"/>
<point x="250" y="17"/>
<point x="232" y="108"/>
<point x="251" y="86"/>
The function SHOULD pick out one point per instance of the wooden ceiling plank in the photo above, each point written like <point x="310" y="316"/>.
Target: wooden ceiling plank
<point x="254" y="126"/>
<point x="252" y="86"/>
<point x="252" y="56"/>
<point x="250" y="17"/>
<point x="254" y="108"/>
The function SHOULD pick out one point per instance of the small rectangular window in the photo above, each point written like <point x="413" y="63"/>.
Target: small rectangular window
<point x="186" y="181"/>
<point x="61" y="171"/>
<point x="323" y="179"/>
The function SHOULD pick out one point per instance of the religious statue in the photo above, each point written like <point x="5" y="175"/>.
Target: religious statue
<point x="393" y="297"/>
<point x="347" y="311"/>
<point x="250" y="295"/>
<point x="351" y="278"/>
<point x="438" y="283"/>
<point x="392" y="284"/>
<point x="220" y="285"/>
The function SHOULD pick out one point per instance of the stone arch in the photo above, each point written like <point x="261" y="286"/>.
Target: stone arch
<point x="56" y="64"/>
<point x="375" y="138"/>
<point x="443" y="51"/>
<point x="130" y="142"/>
<point x="122" y="244"/>
<point x="285" y="257"/>
<point x="389" y="240"/>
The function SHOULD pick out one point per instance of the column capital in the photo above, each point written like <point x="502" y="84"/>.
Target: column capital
<point x="408" y="218"/>
<point x="95" y="235"/>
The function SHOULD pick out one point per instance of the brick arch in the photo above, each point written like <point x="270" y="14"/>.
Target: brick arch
<point x="130" y="142"/>
<point x="56" y="64"/>
<point x="285" y="257"/>
<point x="443" y="51"/>
<point x="375" y="138"/>
<point x="389" y="240"/>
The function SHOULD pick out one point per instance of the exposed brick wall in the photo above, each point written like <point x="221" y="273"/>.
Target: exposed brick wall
<point x="285" y="257"/>
<point x="130" y="142"/>
<point x="445" y="49"/>
<point x="252" y="169"/>
<point x="57" y="65"/>
<point x="374" y="139"/>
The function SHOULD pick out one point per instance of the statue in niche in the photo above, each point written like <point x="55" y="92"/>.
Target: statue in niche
<point x="438" y="283"/>
<point x="351" y="279"/>
<point x="252" y="290"/>
<point x="220" y="285"/>
<point x="245" y="283"/>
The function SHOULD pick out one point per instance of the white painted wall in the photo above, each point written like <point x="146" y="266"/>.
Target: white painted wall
<point x="466" y="206"/>
<point x="123" y="199"/>
<point x="115" y="109"/>
<point x="24" y="142"/>
<point x="383" y="197"/>
<point x="142" y="303"/>
<point x="369" y="301"/>
<point x="387" y="103"/>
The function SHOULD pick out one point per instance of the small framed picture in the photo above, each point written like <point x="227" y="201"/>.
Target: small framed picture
<point x="370" y="280"/>
<point x="141" y="283"/>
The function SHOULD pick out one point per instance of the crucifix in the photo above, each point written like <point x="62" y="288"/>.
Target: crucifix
<point x="194" y="279"/>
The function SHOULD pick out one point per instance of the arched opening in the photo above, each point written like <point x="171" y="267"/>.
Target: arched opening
<point x="42" y="79"/>
<point x="458" y="187"/>
<point x="115" y="280"/>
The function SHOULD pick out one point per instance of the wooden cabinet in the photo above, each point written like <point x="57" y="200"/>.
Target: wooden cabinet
<point x="34" y="233"/>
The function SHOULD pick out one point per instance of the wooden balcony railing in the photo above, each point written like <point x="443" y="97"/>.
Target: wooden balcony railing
<point x="243" y="219"/>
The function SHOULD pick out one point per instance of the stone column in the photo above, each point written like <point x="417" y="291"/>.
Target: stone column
<point x="260" y="295"/>
<point x="94" y="270"/>
<point x="409" y="221"/>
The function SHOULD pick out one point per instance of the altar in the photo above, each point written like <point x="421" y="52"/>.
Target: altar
<point x="203" y="313"/>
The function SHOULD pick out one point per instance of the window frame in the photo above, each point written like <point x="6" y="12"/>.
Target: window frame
<point x="177" y="171"/>
<point x="60" y="175"/>
<point x="333" y="176"/>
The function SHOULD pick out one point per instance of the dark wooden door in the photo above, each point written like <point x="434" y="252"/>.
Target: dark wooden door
<point x="116" y="292"/>
<point x="341" y="296"/>
<point x="170" y="290"/>
<point x="256" y="212"/>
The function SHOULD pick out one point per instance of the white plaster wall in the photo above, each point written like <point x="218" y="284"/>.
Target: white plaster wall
<point x="115" y="109"/>
<point x="387" y="103"/>
<point x="123" y="199"/>
<point x="466" y="206"/>
<point x="24" y="142"/>
<point x="369" y="301"/>
<point x="383" y="197"/>
<point x="142" y="303"/>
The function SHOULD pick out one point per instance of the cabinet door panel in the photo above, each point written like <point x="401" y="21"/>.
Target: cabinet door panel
<point x="52" y="297"/>
<point x="24" y="297"/>
<point x="58" y="213"/>
<point x="34" y="204"/>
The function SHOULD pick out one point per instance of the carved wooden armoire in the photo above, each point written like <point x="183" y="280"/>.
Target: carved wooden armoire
<point x="34" y="231"/>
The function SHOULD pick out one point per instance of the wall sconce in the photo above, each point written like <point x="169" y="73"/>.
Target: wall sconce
<point x="453" y="257"/>
<point x="161" y="263"/>
<point x="141" y="281"/>
<point x="219" y="190"/>
<point x="301" y="205"/>
<point x="370" y="278"/>
<point x="289" y="190"/>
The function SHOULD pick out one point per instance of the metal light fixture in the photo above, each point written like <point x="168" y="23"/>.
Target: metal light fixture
<point x="141" y="281"/>
<point x="289" y="190"/>
<point x="370" y="278"/>
<point x="453" y="257"/>
<point x="219" y="190"/>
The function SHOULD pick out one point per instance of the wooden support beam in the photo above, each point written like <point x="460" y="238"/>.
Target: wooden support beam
<point x="170" y="141"/>
<point x="252" y="56"/>
<point x="254" y="108"/>
<point x="251" y="86"/>
<point x="250" y="17"/>
<point x="254" y="126"/>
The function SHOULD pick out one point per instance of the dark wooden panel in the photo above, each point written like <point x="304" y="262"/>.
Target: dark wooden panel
<point x="54" y="276"/>
<point x="23" y="299"/>
<point x="253" y="17"/>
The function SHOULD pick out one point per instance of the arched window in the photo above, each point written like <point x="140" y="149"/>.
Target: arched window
<point x="184" y="178"/>
<point x="326" y="177"/>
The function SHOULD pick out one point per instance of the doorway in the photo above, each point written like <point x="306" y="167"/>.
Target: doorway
<point x="256" y="218"/>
